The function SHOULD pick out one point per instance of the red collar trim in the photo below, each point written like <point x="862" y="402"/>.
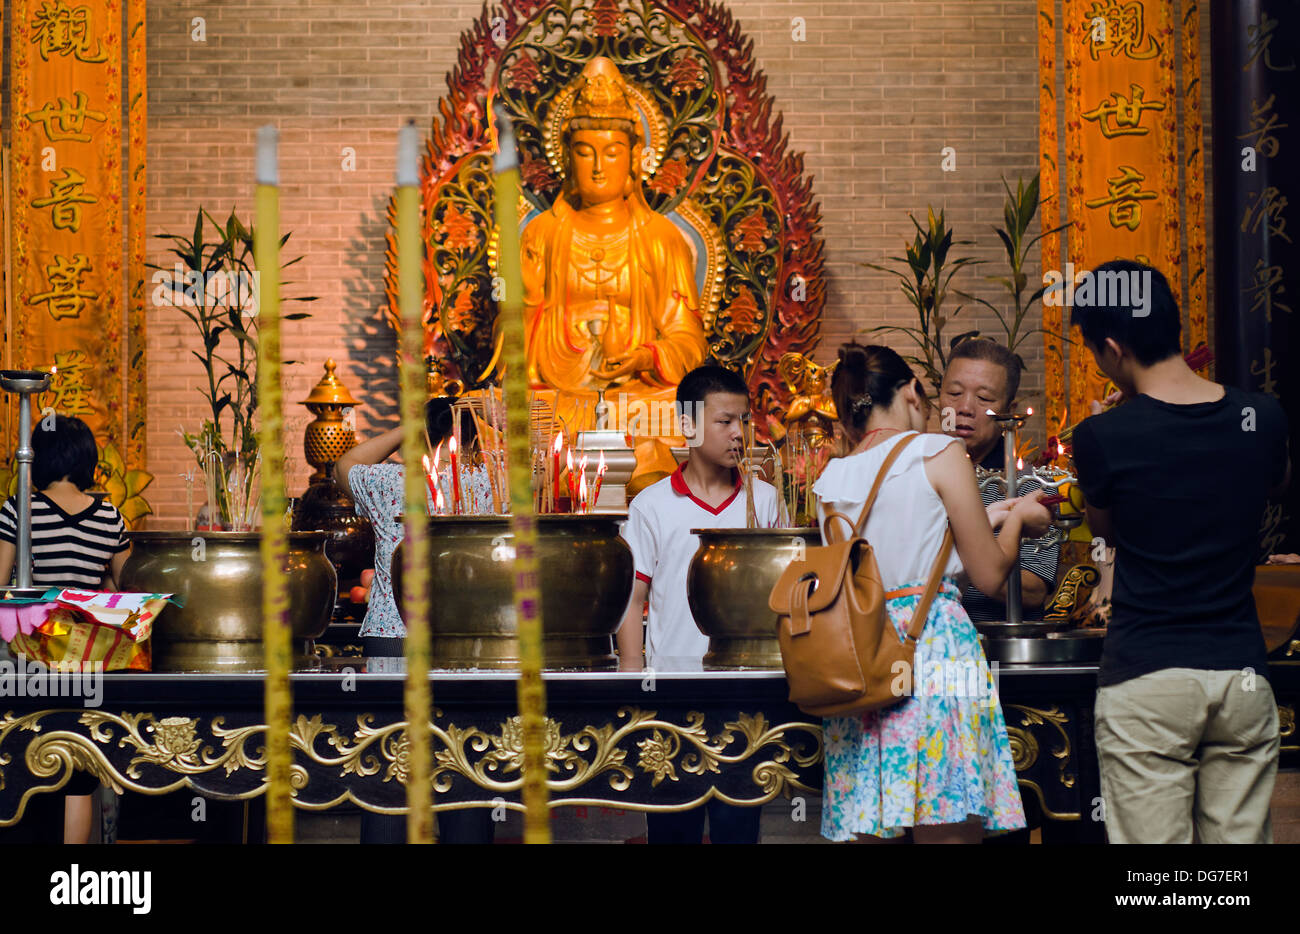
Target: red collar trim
<point x="681" y="489"/>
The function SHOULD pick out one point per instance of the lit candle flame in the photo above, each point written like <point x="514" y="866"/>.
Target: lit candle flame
<point x="600" y="467"/>
<point x="559" y="440"/>
<point x="582" y="491"/>
<point x="451" y="446"/>
<point x="1020" y="463"/>
<point x="1029" y="411"/>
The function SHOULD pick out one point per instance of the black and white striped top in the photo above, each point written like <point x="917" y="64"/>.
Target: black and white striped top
<point x="68" y="550"/>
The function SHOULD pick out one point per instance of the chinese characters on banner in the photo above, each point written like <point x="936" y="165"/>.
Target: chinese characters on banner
<point x="1121" y="156"/>
<point x="69" y="311"/>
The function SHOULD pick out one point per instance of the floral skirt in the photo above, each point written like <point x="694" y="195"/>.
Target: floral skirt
<point x="940" y="755"/>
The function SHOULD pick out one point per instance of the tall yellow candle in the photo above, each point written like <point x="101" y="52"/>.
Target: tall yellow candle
<point x="274" y="550"/>
<point x="415" y="567"/>
<point x="528" y="596"/>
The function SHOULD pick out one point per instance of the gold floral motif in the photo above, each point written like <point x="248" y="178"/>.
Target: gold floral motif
<point x="657" y="752"/>
<point x="1285" y="720"/>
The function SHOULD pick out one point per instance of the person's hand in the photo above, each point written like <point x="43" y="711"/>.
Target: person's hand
<point x="1035" y="518"/>
<point x="998" y="512"/>
<point x="1284" y="559"/>
<point x="640" y="360"/>
<point x="1113" y="399"/>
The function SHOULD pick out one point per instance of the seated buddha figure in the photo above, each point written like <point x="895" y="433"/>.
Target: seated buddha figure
<point x="610" y="300"/>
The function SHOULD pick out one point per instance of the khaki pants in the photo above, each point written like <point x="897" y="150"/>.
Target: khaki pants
<point x="1183" y="749"/>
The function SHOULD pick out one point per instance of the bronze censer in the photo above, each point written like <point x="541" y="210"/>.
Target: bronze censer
<point x="730" y="578"/>
<point x="586" y="581"/>
<point x="218" y="577"/>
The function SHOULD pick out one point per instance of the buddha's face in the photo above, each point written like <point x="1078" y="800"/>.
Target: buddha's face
<point x="602" y="165"/>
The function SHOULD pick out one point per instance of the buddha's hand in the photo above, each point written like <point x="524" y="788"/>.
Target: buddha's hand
<point x="641" y="360"/>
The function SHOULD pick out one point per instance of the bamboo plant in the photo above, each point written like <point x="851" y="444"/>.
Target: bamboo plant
<point x="213" y="283"/>
<point x="925" y="278"/>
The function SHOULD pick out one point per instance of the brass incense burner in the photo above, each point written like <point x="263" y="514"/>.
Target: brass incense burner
<point x="731" y="575"/>
<point x="586" y="580"/>
<point x="218" y="576"/>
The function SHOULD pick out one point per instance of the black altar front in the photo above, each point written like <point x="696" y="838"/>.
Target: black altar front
<point x="625" y="740"/>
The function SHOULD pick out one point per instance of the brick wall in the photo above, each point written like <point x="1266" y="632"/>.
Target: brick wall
<point x="871" y="96"/>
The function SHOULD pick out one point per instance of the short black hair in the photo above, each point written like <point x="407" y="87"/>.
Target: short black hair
<point x="439" y="422"/>
<point x="1151" y="331"/>
<point x="65" y="450"/>
<point x="981" y="348"/>
<point x="705" y="381"/>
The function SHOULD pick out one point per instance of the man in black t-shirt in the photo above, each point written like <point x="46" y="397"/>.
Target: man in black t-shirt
<point x="1176" y="480"/>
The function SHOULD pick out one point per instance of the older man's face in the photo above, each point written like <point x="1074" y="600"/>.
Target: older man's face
<point x="969" y="389"/>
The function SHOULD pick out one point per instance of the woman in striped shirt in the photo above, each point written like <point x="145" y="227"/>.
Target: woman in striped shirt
<point x="78" y="541"/>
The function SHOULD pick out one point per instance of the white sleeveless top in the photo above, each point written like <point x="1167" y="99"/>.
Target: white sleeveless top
<point x="907" y="522"/>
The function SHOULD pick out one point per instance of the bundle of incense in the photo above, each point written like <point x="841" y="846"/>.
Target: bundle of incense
<point x="751" y="512"/>
<point x="778" y="476"/>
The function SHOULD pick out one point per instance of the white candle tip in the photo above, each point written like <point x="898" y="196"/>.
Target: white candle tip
<point x="408" y="156"/>
<point x="507" y="157"/>
<point x="268" y="155"/>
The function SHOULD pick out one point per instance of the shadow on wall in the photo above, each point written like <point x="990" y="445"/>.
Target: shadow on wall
<point x="371" y="341"/>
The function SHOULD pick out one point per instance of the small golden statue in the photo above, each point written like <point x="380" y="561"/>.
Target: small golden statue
<point x="610" y="299"/>
<point x="811" y="404"/>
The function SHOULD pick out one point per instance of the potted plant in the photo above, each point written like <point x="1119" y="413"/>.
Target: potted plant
<point x="213" y="282"/>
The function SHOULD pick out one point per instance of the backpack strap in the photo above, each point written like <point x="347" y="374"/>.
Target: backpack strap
<point x="875" y="489"/>
<point x="931" y="588"/>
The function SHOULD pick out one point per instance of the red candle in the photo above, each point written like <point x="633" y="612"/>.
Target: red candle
<point x="429" y="474"/>
<point x="455" y="478"/>
<point x="572" y="485"/>
<point x="555" y="472"/>
<point x="600" y="477"/>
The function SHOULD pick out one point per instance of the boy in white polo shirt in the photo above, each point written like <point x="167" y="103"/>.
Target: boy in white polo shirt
<point x="705" y="492"/>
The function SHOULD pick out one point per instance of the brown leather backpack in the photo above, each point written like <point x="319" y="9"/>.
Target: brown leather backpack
<point x="840" y="650"/>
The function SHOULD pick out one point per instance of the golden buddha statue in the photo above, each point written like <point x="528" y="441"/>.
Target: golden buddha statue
<point x="610" y="300"/>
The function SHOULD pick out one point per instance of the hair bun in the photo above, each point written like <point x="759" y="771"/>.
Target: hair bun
<point x="853" y="357"/>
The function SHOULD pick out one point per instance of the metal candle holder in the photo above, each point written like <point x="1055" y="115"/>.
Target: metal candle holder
<point x="1048" y="477"/>
<point x="25" y="383"/>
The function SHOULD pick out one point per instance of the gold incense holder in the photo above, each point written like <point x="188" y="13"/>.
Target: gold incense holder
<point x="728" y="584"/>
<point x="218" y="576"/>
<point x="586" y="580"/>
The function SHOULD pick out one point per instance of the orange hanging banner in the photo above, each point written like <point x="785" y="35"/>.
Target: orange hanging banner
<point x="67" y="202"/>
<point x="1121" y="147"/>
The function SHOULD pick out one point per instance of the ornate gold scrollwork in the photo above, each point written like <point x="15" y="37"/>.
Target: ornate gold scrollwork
<point x="1285" y="720"/>
<point x="1293" y="648"/>
<point x="1031" y="716"/>
<point x="666" y="751"/>
<point x="1024" y="748"/>
<point x="1065" y="601"/>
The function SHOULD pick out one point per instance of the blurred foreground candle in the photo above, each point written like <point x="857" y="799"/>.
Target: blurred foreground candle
<point x="274" y="550"/>
<point x="523" y="521"/>
<point x="415" y="569"/>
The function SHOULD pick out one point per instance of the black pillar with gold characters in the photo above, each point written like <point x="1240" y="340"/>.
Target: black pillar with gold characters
<point x="1256" y="126"/>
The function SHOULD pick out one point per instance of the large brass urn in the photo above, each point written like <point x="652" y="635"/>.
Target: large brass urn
<point x="218" y="577"/>
<point x="586" y="580"/>
<point x="727" y="587"/>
